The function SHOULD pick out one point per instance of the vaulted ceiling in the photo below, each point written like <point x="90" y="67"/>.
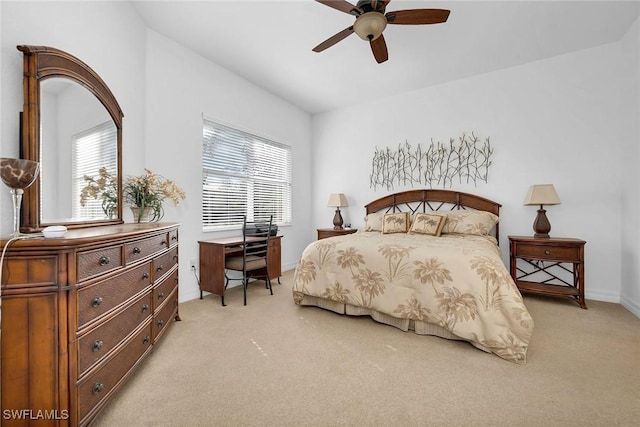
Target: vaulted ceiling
<point x="269" y="42"/>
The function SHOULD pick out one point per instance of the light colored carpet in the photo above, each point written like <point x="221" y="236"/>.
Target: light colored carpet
<point x="273" y="363"/>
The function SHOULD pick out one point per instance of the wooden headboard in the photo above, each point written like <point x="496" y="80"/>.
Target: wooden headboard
<point x="433" y="200"/>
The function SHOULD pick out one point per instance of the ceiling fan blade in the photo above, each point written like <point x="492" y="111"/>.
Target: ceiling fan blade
<point x="342" y="6"/>
<point x="417" y="16"/>
<point x="333" y="39"/>
<point x="379" y="49"/>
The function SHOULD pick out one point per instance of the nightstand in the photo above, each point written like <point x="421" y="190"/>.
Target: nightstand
<point x="323" y="233"/>
<point x="548" y="266"/>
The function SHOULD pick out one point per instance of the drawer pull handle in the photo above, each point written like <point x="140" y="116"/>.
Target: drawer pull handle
<point x="161" y="295"/>
<point x="160" y="322"/>
<point x="159" y="268"/>
<point x="97" y="388"/>
<point x="145" y="307"/>
<point x="136" y="250"/>
<point x="547" y="252"/>
<point x="146" y="339"/>
<point x="96" y="301"/>
<point x="97" y="345"/>
<point x="105" y="260"/>
<point x="145" y="275"/>
<point x="163" y="242"/>
<point x="174" y="238"/>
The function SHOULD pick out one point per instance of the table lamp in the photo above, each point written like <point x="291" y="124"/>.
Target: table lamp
<point x="542" y="194"/>
<point x="337" y="200"/>
<point x="18" y="174"/>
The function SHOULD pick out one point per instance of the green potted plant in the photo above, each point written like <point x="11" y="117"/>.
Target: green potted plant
<point x="146" y="193"/>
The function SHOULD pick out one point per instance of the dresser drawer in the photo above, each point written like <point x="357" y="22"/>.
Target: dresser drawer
<point x="101" y="383"/>
<point x="163" y="263"/>
<point x="165" y="315"/>
<point x="163" y="289"/>
<point x="548" y="252"/>
<point x="173" y="237"/>
<point x="144" y="248"/>
<point x="26" y="272"/>
<point x="99" y="261"/>
<point x="101" y="297"/>
<point x="99" y="342"/>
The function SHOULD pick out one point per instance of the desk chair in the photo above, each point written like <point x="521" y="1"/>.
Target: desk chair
<point x="255" y="253"/>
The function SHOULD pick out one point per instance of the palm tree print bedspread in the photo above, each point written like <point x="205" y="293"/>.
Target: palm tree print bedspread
<point x="458" y="282"/>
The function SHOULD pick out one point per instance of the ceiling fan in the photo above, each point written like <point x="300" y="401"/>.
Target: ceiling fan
<point x="371" y="20"/>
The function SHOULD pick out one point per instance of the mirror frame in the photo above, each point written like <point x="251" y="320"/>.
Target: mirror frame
<point x="40" y="63"/>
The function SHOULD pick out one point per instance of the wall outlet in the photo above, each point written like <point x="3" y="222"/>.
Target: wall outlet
<point x="193" y="265"/>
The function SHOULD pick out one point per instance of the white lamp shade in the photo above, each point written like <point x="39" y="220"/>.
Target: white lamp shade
<point x="542" y="194"/>
<point x="337" y="200"/>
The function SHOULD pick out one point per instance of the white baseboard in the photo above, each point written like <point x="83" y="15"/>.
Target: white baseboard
<point x="630" y="305"/>
<point x="602" y="296"/>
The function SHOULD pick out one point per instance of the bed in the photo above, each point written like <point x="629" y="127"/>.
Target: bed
<point x="427" y="261"/>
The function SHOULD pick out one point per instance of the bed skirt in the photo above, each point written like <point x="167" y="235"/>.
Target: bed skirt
<point x="419" y="327"/>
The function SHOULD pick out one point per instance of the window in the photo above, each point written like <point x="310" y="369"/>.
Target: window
<point x="243" y="174"/>
<point x="91" y="150"/>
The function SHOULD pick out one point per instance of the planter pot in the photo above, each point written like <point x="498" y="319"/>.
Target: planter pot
<point x="141" y="216"/>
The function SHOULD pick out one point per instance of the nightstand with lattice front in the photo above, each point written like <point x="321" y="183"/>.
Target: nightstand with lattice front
<point x="548" y="266"/>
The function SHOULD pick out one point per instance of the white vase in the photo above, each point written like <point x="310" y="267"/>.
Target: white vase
<point x="144" y="216"/>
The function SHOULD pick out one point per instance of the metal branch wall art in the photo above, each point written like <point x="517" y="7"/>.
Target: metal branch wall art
<point x="466" y="160"/>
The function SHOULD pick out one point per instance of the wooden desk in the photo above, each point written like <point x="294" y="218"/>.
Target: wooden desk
<point x="212" y="259"/>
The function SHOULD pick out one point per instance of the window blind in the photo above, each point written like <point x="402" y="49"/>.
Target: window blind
<point x="243" y="174"/>
<point x="91" y="150"/>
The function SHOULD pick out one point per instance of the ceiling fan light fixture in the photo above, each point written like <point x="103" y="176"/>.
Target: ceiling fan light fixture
<point x="370" y="25"/>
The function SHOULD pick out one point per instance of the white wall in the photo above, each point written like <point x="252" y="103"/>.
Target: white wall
<point x="630" y="295"/>
<point x="570" y="120"/>
<point x="163" y="90"/>
<point x="108" y="36"/>
<point x="182" y="86"/>
<point x="567" y="120"/>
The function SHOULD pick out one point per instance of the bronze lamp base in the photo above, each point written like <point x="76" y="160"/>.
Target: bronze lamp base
<point x="541" y="225"/>
<point x="337" y="220"/>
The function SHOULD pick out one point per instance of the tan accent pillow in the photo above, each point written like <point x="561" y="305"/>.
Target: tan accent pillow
<point x="428" y="223"/>
<point x="373" y="221"/>
<point x="477" y="223"/>
<point x="395" y="223"/>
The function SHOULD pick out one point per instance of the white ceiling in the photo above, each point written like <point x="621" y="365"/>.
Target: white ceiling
<point x="269" y="42"/>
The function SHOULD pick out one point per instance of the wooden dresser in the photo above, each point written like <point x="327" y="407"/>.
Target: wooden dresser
<point x="79" y="314"/>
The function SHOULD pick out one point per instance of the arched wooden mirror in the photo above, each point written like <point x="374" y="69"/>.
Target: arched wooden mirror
<point x="72" y="125"/>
